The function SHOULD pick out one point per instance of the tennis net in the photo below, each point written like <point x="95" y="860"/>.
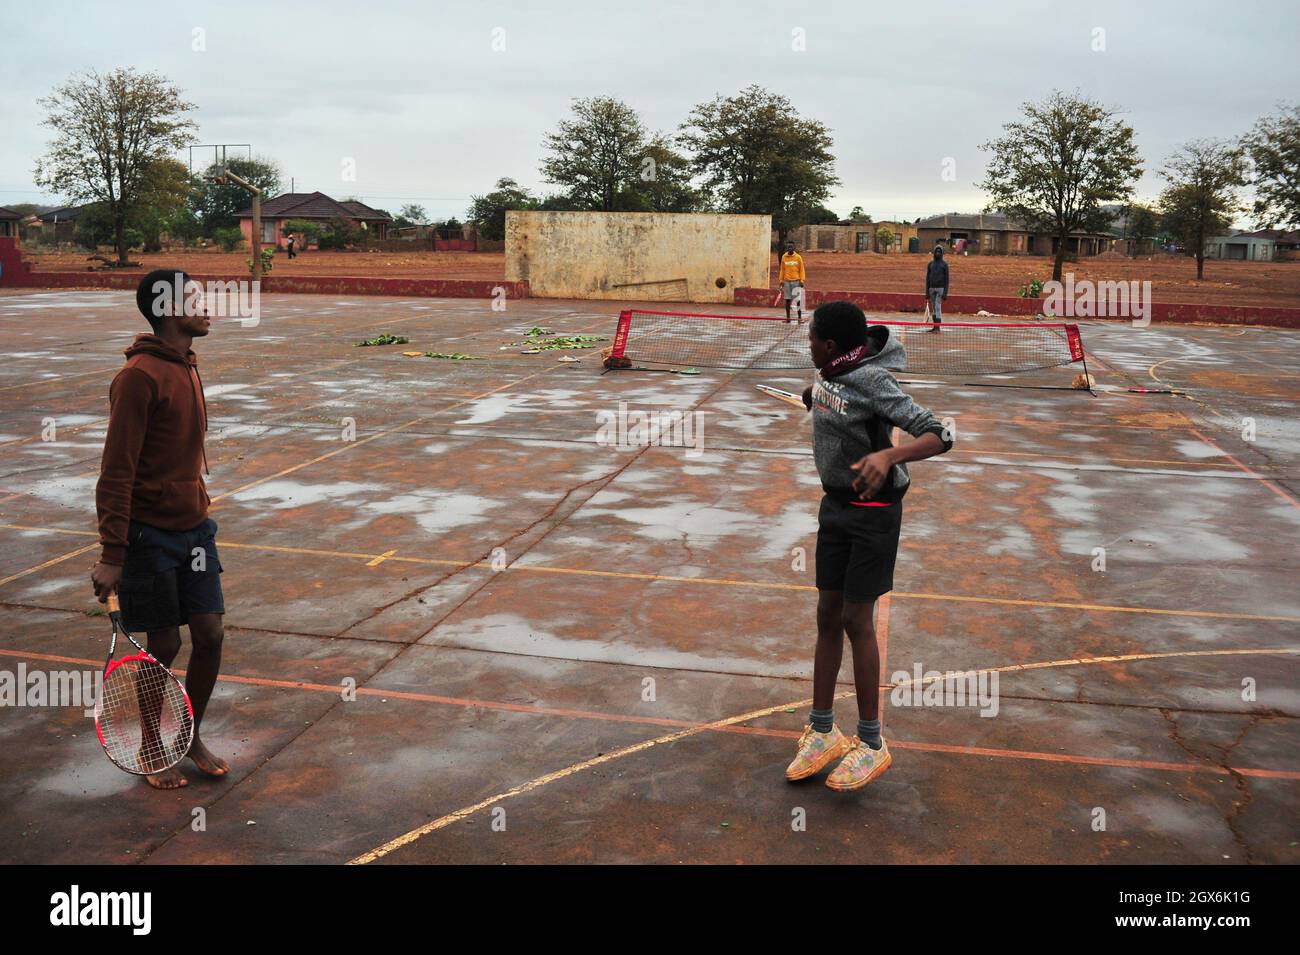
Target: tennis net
<point x="682" y="339"/>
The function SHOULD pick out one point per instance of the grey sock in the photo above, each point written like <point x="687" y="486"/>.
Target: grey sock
<point x="822" y="720"/>
<point x="869" y="733"/>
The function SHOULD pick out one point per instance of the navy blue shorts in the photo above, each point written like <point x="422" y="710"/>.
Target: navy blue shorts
<point x="857" y="545"/>
<point x="169" y="575"/>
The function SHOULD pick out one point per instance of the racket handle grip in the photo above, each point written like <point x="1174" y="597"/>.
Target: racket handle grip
<point x="113" y="605"/>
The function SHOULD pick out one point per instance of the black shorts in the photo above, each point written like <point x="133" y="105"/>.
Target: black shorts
<point x="857" y="544"/>
<point x="169" y="575"/>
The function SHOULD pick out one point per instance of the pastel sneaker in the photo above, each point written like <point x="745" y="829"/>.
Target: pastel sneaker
<point x="816" y="752"/>
<point x="860" y="766"/>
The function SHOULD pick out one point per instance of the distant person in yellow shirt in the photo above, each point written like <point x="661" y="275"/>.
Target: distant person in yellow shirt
<point x="792" y="278"/>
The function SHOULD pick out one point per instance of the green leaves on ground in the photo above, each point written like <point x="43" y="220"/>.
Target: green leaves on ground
<point x="565" y="342"/>
<point x="543" y="339"/>
<point x="384" y="340"/>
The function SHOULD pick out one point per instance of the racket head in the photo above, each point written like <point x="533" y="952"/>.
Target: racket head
<point x="143" y="716"/>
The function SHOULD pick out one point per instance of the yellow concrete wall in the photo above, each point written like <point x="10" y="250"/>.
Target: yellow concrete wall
<point x="638" y="256"/>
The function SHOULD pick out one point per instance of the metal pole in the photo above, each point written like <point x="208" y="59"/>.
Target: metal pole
<point x="257" y="238"/>
<point x="222" y="175"/>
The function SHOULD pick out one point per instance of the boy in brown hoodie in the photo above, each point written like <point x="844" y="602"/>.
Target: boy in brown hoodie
<point x="158" y="545"/>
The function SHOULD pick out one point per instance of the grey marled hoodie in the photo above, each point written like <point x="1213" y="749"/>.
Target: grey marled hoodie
<point x="855" y="412"/>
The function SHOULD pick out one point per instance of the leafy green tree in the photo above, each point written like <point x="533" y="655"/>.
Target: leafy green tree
<point x="309" y="229"/>
<point x="816" y="215"/>
<point x="1201" y="198"/>
<point x="755" y="154"/>
<point x="1273" y="148"/>
<point x="488" y="212"/>
<point x="663" y="182"/>
<point x="229" y="238"/>
<point x="411" y="214"/>
<point x="110" y="129"/>
<point x="596" y="156"/>
<point x="1057" y="167"/>
<point x="556" y="202"/>
<point x="1141" y="222"/>
<point x="163" y="205"/>
<point x="451" y="228"/>
<point x="95" y="227"/>
<point x="885" y="238"/>
<point x="339" y="234"/>
<point x="217" y="206"/>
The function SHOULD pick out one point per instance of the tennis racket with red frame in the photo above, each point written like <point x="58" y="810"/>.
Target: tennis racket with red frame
<point x="143" y="716"/>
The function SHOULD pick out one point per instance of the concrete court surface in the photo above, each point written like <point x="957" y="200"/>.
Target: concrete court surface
<point x="569" y="652"/>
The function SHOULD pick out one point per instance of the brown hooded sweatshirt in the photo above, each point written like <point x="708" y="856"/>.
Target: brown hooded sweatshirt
<point x="152" y="470"/>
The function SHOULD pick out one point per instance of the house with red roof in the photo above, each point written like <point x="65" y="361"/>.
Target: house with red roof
<point x="313" y="206"/>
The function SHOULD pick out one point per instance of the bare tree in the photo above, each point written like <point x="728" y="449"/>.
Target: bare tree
<point x="110" y="130"/>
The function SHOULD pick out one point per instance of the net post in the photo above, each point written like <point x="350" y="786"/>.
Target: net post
<point x="620" y="336"/>
<point x="1078" y="353"/>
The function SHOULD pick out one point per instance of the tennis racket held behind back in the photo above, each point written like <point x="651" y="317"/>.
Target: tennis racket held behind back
<point x="143" y="715"/>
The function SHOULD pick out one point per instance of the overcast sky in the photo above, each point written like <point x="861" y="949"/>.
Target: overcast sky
<point x="415" y="94"/>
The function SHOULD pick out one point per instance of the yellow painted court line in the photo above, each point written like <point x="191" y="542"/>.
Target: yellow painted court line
<point x="1102" y="608"/>
<point x="381" y="558"/>
<point x="70" y="429"/>
<point x="667" y="578"/>
<point x="731" y="724"/>
<point x="298" y="467"/>
<point x="1068" y="455"/>
<point x="28" y="385"/>
<point x="50" y="563"/>
<point x="1091" y="661"/>
<point x="443" y="822"/>
<point x="1184" y="394"/>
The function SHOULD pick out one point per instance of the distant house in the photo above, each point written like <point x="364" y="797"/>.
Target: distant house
<point x="54" y="224"/>
<point x="314" y="206"/>
<point x="993" y="233"/>
<point x="1260" y="246"/>
<point x="848" y="236"/>
<point x="9" y="221"/>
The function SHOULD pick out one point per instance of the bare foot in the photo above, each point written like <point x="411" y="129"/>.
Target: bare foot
<point x="208" y="764"/>
<point x="167" y="779"/>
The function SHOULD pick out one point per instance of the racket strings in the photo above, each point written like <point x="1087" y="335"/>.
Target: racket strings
<point x="144" y="718"/>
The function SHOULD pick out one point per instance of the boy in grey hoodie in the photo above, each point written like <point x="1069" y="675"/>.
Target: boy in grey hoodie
<point x="856" y="402"/>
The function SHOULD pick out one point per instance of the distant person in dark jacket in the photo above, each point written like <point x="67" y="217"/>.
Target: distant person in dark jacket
<point x="292" y="254"/>
<point x="936" y="285"/>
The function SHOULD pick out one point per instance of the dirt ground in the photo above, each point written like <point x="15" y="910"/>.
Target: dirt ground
<point x="1172" y="277"/>
<point x="470" y="266"/>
